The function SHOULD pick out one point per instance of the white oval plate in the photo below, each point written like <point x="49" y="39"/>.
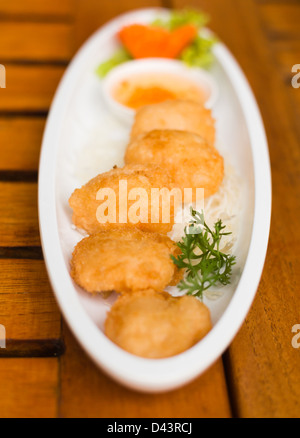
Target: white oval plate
<point x="77" y="110"/>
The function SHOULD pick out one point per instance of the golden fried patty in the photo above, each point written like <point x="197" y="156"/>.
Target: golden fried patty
<point x="157" y="325"/>
<point x="89" y="207"/>
<point x="175" y="114"/>
<point x="189" y="159"/>
<point x="124" y="260"/>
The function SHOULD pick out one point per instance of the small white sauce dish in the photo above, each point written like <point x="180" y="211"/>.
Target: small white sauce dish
<point x="197" y="76"/>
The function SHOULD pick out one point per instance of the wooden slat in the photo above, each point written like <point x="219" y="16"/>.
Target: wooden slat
<point x="262" y="365"/>
<point x="20" y="141"/>
<point x="18" y="214"/>
<point x="281" y="20"/>
<point x="35" y="41"/>
<point x="32" y="348"/>
<point x="87" y="392"/>
<point x="29" y="88"/>
<point x="31" y="7"/>
<point x="281" y="2"/>
<point x="88" y="19"/>
<point x="27" y="306"/>
<point x="287" y="54"/>
<point x="28" y="387"/>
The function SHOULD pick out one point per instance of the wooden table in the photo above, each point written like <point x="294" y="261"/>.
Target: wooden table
<point x="43" y="371"/>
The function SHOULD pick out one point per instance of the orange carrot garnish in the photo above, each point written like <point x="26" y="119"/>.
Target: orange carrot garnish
<point x="143" y="41"/>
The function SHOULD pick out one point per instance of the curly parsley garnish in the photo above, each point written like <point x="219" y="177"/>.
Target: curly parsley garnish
<point x="205" y="264"/>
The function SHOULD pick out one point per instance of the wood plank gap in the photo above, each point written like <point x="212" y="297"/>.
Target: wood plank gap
<point x="18" y="175"/>
<point x="60" y="373"/>
<point x="21" y="18"/>
<point x="230" y="388"/>
<point x="32" y="348"/>
<point x="265" y="2"/>
<point x="273" y="36"/>
<point x="167" y="4"/>
<point x="23" y="113"/>
<point x="38" y="62"/>
<point x="21" y="252"/>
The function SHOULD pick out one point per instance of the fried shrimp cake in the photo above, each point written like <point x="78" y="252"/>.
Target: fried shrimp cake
<point x="157" y="325"/>
<point x="124" y="260"/>
<point x="189" y="159"/>
<point x="175" y="114"/>
<point x="123" y="197"/>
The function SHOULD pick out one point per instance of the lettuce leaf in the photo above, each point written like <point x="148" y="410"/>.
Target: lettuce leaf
<point x="199" y="53"/>
<point x="183" y="17"/>
<point x="120" y="56"/>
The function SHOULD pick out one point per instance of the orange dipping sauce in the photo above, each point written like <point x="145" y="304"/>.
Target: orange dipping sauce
<point x="146" y="89"/>
<point x="145" y="96"/>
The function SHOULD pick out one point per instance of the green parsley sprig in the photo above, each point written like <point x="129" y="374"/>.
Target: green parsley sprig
<point x="205" y="264"/>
